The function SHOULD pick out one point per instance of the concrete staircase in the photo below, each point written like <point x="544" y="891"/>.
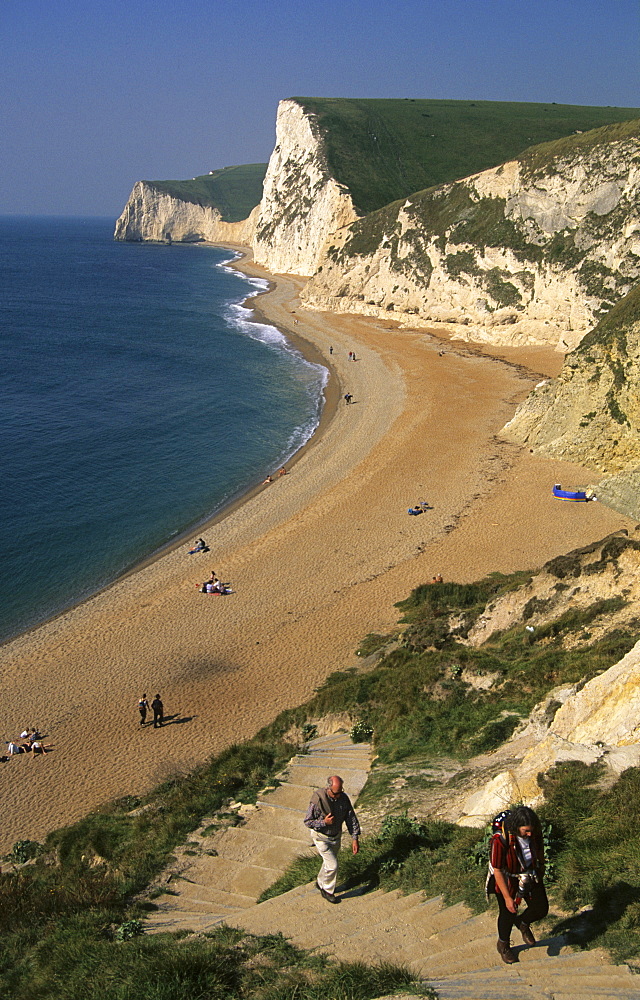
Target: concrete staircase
<point x="448" y="946"/>
<point x="221" y="874"/>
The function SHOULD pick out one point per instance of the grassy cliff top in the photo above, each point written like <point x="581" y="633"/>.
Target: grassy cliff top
<point x="383" y="150"/>
<point x="234" y="191"/>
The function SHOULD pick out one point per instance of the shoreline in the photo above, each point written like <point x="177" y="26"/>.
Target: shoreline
<point x="316" y="560"/>
<point x="328" y="407"/>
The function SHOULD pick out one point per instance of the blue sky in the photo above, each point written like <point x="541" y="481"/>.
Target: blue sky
<point x="98" y="95"/>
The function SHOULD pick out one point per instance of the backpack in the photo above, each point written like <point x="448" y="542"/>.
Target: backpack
<point x="499" y="825"/>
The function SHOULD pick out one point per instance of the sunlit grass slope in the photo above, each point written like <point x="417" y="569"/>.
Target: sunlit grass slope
<point x="386" y="149"/>
<point x="234" y="191"/>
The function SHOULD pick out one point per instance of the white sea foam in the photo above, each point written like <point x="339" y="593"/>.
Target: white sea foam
<point x="239" y="316"/>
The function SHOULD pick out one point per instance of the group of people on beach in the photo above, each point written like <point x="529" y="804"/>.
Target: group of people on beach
<point x="269" y="479"/>
<point x="30" y="742"/>
<point x="213" y="585"/>
<point x="156" y="707"/>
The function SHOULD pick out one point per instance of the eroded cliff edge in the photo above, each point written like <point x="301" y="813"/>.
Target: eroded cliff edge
<point x="590" y="414"/>
<point x="533" y="251"/>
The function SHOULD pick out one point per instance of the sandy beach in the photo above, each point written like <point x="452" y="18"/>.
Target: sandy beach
<point x="316" y="560"/>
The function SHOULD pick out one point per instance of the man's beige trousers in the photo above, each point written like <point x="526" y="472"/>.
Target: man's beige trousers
<point x="328" y="848"/>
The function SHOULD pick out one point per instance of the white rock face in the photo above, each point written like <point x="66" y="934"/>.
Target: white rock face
<point x="302" y="205"/>
<point x="154" y="215"/>
<point x="570" y="245"/>
<point x="601" y="721"/>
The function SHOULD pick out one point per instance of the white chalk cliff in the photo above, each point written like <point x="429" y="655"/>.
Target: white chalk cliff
<point x="531" y="252"/>
<point x="302" y="204"/>
<point x="151" y="214"/>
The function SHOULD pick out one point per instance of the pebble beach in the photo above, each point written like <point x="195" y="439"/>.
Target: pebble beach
<point x="316" y="559"/>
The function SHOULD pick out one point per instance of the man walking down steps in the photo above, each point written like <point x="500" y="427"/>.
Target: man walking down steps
<point x="329" y="808"/>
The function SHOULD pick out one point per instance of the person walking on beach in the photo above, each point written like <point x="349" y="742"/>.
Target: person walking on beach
<point x="158" y="712"/>
<point x="329" y="808"/>
<point x="347" y="397"/>
<point x="516" y="871"/>
<point x="143" y="708"/>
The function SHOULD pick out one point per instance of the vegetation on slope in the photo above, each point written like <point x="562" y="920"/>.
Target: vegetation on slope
<point x="611" y="330"/>
<point x="234" y="191"/>
<point x="383" y="150"/>
<point x="74" y="919"/>
<point x="73" y="929"/>
<point x="421" y="708"/>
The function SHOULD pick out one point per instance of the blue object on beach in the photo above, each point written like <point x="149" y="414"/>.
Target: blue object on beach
<point x="572" y="495"/>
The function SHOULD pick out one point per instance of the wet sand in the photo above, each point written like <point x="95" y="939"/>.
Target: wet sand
<point x="316" y="560"/>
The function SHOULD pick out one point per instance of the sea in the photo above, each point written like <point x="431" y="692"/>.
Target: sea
<point x="138" y="397"/>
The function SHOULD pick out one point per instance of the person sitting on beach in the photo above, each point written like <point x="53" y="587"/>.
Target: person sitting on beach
<point x="39" y="748"/>
<point x="269" y="479"/>
<point x="25" y="734"/>
<point x="282" y="471"/>
<point x="198" y="546"/>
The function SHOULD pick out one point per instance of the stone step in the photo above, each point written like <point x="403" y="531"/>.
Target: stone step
<point x="242" y="843"/>
<point x="293" y="796"/>
<point x="232" y="876"/>
<point x="597" y="994"/>
<point x="354" y="778"/>
<point x="193" y="904"/>
<point x="335" y="753"/>
<point x="498" y="989"/>
<point x="196" y="891"/>
<point x="281" y="821"/>
<point x="181" y="920"/>
<point x="334" y="739"/>
<point x="426" y="921"/>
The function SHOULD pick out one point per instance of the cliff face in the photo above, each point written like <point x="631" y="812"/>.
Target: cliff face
<point x="589" y="722"/>
<point x="151" y="214"/>
<point x="590" y="414"/>
<point x="530" y="252"/>
<point x="302" y="204"/>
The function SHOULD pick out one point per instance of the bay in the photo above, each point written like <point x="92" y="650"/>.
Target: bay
<point x="136" y="398"/>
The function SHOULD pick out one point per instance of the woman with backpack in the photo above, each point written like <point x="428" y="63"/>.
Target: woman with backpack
<point x="516" y="871"/>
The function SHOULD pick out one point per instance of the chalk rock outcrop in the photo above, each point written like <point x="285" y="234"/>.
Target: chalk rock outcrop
<point x="590" y="414"/>
<point x="594" y="721"/>
<point x="302" y="205"/>
<point x="599" y="722"/>
<point x="152" y="214"/>
<point x="528" y="253"/>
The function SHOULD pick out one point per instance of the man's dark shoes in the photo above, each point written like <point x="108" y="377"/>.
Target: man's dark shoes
<point x="329" y="896"/>
<point x="505" y="953"/>
<point x="527" y="935"/>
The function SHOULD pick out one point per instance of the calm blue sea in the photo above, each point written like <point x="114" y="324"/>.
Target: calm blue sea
<point x="136" y="398"/>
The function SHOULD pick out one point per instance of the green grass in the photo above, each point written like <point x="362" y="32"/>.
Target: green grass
<point x="234" y="191"/>
<point x="610" y="333"/>
<point x="598" y="861"/>
<point x="68" y="905"/>
<point x="383" y="149"/>
<point x="79" y="963"/>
